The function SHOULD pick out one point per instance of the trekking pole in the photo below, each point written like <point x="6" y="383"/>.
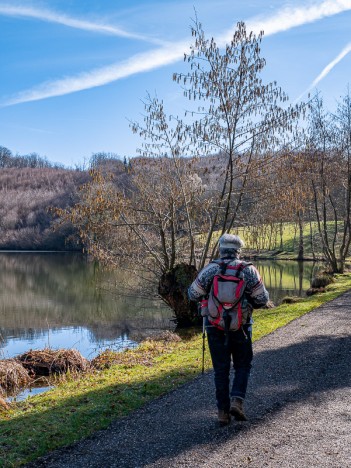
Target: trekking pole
<point x="203" y="344"/>
<point x="199" y="308"/>
<point x="203" y="338"/>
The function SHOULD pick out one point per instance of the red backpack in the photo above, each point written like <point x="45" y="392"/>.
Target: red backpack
<point x="224" y="303"/>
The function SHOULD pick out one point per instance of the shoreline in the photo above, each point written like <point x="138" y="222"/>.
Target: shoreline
<point x="252" y="255"/>
<point x="77" y="407"/>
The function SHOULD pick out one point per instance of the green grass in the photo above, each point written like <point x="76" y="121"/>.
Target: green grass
<point x="79" y="406"/>
<point x="290" y="240"/>
<point x="289" y="246"/>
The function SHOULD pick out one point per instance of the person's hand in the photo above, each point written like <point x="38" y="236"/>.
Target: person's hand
<point x="269" y="305"/>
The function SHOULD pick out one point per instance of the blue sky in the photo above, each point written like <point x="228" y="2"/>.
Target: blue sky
<point x="73" y="72"/>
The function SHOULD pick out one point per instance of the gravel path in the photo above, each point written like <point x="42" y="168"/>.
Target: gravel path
<point x="298" y="403"/>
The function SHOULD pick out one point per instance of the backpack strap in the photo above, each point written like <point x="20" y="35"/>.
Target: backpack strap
<point x="224" y="265"/>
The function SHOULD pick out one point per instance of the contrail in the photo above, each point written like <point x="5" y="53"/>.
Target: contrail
<point x="326" y="70"/>
<point x="282" y="20"/>
<point x="137" y="64"/>
<point x="54" y="17"/>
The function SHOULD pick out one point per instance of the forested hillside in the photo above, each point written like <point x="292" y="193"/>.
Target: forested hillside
<point x="29" y="187"/>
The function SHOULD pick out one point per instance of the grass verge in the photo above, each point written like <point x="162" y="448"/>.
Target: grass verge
<point x="81" y="405"/>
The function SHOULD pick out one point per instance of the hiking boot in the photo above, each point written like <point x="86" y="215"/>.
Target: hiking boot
<point x="237" y="409"/>
<point x="223" y="418"/>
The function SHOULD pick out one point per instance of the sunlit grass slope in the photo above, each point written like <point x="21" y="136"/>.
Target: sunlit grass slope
<point x="284" y="244"/>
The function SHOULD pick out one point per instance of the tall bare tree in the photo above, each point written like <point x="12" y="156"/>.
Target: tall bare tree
<point x="169" y="217"/>
<point x="329" y="144"/>
<point x="238" y="115"/>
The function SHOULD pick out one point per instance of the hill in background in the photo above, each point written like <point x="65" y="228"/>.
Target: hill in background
<point x="29" y="186"/>
<point x="26" y="195"/>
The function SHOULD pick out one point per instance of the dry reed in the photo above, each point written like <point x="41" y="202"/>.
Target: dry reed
<point x="49" y="361"/>
<point x="166" y="336"/>
<point x="13" y="375"/>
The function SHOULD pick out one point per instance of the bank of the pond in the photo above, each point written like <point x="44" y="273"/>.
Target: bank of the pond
<point x="78" y="407"/>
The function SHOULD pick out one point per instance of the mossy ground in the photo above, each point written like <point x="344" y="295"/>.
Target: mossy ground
<point x="78" y="406"/>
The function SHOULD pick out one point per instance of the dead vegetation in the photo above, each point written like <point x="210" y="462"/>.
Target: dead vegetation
<point x="3" y="405"/>
<point x="130" y="357"/>
<point x="166" y="336"/>
<point x="13" y="376"/>
<point x="24" y="370"/>
<point x="144" y="355"/>
<point x="49" y="361"/>
<point x="313" y="291"/>
<point x="291" y="300"/>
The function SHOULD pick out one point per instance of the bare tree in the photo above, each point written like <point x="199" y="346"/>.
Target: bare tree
<point x="238" y="115"/>
<point x="329" y="144"/>
<point x="167" y="221"/>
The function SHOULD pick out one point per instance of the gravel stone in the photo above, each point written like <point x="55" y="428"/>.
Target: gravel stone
<point x="298" y="405"/>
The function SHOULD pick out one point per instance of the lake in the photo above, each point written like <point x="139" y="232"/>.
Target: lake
<point x="61" y="300"/>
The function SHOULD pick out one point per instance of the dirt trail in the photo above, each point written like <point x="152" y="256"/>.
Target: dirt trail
<point x="298" y="402"/>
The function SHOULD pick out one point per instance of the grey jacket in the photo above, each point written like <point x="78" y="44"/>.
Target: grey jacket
<point x="256" y="295"/>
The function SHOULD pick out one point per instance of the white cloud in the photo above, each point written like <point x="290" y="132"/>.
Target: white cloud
<point x="326" y="70"/>
<point x="55" y="17"/>
<point x="282" y="20"/>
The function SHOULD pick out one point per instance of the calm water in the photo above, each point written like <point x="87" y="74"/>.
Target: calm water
<point x="62" y="301"/>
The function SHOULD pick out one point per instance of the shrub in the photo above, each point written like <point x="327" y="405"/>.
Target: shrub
<point x="321" y="281"/>
<point x="291" y="299"/>
<point x="312" y="291"/>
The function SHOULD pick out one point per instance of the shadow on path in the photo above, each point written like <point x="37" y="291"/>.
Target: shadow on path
<point x="185" y="420"/>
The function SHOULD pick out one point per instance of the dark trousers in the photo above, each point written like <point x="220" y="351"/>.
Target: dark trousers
<point x="239" y="350"/>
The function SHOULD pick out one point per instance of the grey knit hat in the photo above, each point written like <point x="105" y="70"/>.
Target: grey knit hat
<point x="229" y="241"/>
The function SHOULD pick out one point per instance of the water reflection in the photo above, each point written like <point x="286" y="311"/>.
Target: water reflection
<point x="286" y="278"/>
<point x="60" y="300"/>
<point x="29" y="392"/>
<point x="79" y="338"/>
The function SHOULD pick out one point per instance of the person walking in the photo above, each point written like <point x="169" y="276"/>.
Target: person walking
<point x="229" y="329"/>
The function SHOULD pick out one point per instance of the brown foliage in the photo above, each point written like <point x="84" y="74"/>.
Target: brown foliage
<point x="26" y="195"/>
<point x="49" y="361"/>
<point x="312" y="291"/>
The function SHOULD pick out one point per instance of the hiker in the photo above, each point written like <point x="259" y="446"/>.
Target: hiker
<point x="229" y="328"/>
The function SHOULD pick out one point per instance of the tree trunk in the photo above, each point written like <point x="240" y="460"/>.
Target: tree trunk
<point x="281" y="234"/>
<point x="341" y="267"/>
<point x="301" y="246"/>
<point x="173" y="288"/>
<point x="311" y="236"/>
